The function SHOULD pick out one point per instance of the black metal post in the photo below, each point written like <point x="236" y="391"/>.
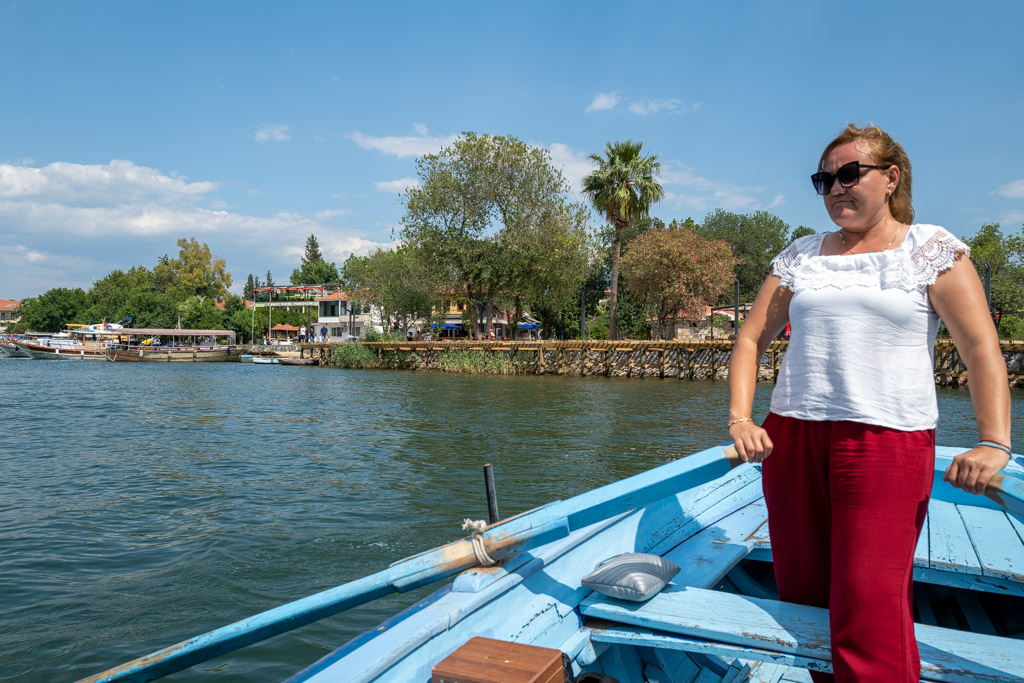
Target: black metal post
<point x="736" y="308"/>
<point x="492" y="497"/>
<point x="583" y="313"/>
<point x="988" y="284"/>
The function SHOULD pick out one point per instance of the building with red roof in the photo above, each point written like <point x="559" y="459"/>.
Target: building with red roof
<point x="8" y="314"/>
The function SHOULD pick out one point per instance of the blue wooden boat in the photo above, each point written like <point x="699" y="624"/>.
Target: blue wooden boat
<point x="718" y="620"/>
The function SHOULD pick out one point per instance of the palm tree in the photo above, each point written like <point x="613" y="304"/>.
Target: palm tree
<point x="622" y="187"/>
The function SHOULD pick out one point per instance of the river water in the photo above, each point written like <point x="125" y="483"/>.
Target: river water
<point x="141" y="504"/>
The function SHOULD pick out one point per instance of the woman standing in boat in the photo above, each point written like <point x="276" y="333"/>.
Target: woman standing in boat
<point x="849" y="443"/>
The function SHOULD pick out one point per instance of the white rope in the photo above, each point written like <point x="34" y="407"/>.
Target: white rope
<point x="476" y="536"/>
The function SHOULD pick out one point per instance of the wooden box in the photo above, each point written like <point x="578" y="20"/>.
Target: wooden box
<point x="483" y="660"/>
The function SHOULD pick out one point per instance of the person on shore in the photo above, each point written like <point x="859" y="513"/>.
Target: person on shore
<point x="849" y="442"/>
<point x="302" y="333"/>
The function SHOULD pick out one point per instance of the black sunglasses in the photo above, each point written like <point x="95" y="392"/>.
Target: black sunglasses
<point x="848" y="175"/>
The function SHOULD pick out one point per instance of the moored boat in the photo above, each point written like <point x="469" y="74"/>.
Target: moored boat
<point x="718" y="619"/>
<point x="59" y="349"/>
<point x="185" y="346"/>
<point x="80" y="342"/>
<point x="8" y="347"/>
<point x="299" y="361"/>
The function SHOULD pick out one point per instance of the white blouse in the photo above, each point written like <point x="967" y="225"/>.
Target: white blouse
<point x="863" y="331"/>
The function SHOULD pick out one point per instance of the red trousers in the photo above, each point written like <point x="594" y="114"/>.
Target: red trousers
<point x="846" y="502"/>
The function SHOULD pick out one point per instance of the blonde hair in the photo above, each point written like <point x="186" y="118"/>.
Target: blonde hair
<point x="885" y="152"/>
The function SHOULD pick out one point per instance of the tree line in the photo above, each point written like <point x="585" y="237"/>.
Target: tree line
<point x="494" y="225"/>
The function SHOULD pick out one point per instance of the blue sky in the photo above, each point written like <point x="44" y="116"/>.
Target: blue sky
<point x="125" y="126"/>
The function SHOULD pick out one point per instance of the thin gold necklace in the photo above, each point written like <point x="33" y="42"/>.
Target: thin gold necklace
<point x="842" y="237"/>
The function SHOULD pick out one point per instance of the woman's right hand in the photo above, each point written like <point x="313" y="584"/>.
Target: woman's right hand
<point x="751" y="441"/>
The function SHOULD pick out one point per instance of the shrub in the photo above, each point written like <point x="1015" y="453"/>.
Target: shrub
<point x="372" y="335"/>
<point x="475" y="362"/>
<point x="1011" y="327"/>
<point x="353" y="355"/>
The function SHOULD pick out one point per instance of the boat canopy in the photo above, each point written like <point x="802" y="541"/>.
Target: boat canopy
<point x="173" y="332"/>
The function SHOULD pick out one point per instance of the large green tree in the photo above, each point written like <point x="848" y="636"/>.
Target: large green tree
<point x="111" y="295"/>
<point x="1004" y="255"/>
<point x="196" y="271"/>
<point x="494" y="219"/>
<point x="54" y="309"/>
<point x="622" y="188"/>
<point x="756" y="239"/>
<point x="315" y="269"/>
<point x="201" y="313"/>
<point x="398" y="283"/>
<point x="676" y="273"/>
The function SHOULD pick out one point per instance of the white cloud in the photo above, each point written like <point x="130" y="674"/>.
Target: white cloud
<point x="603" y="101"/>
<point x="644" y="107"/>
<point x="1011" y="218"/>
<point x="272" y="133"/>
<point x="97" y="185"/>
<point x="574" y="165"/>
<point x="331" y="213"/>
<point x="337" y="247"/>
<point x="397" y="186"/>
<point x="778" y="201"/>
<point x="404" y="145"/>
<point x="1014" y="190"/>
<point x="700" y="194"/>
<point x="122" y="199"/>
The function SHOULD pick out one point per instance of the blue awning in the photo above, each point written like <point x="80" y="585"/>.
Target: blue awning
<point x="529" y="326"/>
<point x="448" y="326"/>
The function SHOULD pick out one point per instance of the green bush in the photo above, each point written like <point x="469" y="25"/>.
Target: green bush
<point x="1011" y="327"/>
<point x="354" y="355"/>
<point x="372" y="335"/>
<point x="475" y="362"/>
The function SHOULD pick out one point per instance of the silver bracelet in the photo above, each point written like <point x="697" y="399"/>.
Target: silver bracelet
<point x="737" y="421"/>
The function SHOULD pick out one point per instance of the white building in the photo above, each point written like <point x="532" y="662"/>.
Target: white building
<point x="343" y="319"/>
<point x="8" y="314"/>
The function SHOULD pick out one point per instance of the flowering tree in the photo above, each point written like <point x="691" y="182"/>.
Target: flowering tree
<point x="677" y="273"/>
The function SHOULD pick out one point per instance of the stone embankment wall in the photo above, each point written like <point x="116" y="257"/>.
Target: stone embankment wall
<point x="694" y="360"/>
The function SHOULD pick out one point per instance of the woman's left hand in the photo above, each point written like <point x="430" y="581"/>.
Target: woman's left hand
<point x="972" y="469"/>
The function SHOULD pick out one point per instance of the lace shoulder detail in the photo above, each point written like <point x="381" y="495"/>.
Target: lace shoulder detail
<point x="927" y="251"/>
<point x="934" y="251"/>
<point x="789" y="262"/>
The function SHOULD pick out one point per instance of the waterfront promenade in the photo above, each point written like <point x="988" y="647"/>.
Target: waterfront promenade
<point x="666" y="359"/>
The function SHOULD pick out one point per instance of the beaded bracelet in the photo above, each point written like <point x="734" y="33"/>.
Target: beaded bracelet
<point x="992" y="444"/>
<point x="737" y="421"/>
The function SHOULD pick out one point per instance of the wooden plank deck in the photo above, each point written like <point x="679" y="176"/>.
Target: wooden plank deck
<point x="960" y="545"/>
<point x="996" y="542"/>
<point x="950" y="546"/>
<point x="797" y="635"/>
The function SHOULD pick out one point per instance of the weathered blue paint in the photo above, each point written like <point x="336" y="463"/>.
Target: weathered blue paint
<point x="950" y="545"/>
<point x="999" y="548"/>
<point x="755" y="626"/>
